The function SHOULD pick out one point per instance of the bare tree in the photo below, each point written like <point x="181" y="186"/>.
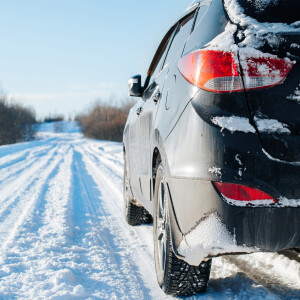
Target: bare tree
<point x="16" y="122"/>
<point x="105" y="120"/>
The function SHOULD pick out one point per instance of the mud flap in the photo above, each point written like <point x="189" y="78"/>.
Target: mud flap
<point x="176" y="234"/>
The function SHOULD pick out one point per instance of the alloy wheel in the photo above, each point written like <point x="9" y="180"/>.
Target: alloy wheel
<point x="161" y="227"/>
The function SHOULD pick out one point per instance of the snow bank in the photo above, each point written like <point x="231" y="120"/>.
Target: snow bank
<point x="210" y="237"/>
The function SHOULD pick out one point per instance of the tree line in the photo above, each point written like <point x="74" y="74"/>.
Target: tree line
<point x="16" y="122"/>
<point x="105" y="120"/>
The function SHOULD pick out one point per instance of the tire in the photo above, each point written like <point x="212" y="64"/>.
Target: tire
<point x="174" y="276"/>
<point x="134" y="214"/>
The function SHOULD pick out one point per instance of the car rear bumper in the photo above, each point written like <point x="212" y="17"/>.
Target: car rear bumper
<point x="267" y="228"/>
<point x="251" y="228"/>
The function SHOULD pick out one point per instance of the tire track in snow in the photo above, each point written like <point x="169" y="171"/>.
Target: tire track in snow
<point x="43" y="232"/>
<point x="13" y="168"/>
<point x="12" y="159"/>
<point x="282" y="285"/>
<point x="103" y="161"/>
<point x="9" y="195"/>
<point x="111" y="161"/>
<point x="25" y="198"/>
<point x="115" y="276"/>
<point x="138" y="243"/>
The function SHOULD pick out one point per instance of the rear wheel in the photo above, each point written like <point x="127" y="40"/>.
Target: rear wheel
<point x="175" y="276"/>
<point x="134" y="214"/>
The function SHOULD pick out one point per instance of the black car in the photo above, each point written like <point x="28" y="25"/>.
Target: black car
<point x="212" y="146"/>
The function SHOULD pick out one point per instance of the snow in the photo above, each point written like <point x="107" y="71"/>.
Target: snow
<point x="63" y="234"/>
<point x="283" y="201"/>
<point x="294" y="163"/>
<point x="233" y="123"/>
<point x="295" y="96"/>
<point x="271" y="126"/>
<point x="237" y="158"/>
<point x="225" y="40"/>
<point x="265" y="203"/>
<point x="210" y="237"/>
<point x="262" y="4"/>
<point x="215" y="171"/>
<point x="237" y="15"/>
<point x="256" y="33"/>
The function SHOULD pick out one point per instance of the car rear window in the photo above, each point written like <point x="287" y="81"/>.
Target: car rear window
<point x="273" y="11"/>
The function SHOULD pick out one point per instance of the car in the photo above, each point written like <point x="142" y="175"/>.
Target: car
<point x="211" y="147"/>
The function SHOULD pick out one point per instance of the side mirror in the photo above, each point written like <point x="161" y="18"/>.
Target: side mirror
<point x="135" y="86"/>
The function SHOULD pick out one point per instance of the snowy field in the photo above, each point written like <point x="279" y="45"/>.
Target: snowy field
<point x="63" y="235"/>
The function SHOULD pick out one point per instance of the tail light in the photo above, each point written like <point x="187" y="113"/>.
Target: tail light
<point x="218" y="71"/>
<point x="264" y="72"/>
<point x="243" y="194"/>
<point x="214" y="71"/>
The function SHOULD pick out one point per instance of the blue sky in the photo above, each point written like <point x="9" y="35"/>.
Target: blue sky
<point x="62" y="55"/>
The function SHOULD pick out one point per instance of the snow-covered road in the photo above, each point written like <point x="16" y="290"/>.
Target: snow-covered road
<point x="63" y="234"/>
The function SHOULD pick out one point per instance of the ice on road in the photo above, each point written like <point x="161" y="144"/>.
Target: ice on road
<point x="63" y="234"/>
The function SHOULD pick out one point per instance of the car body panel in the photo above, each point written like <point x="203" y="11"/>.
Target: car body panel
<point x="275" y="112"/>
<point x="149" y="108"/>
<point x="132" y="142"/>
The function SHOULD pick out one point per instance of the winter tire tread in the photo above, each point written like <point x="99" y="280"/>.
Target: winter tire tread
<point x="180" y="278"/>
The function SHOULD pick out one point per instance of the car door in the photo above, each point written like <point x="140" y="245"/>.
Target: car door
<point x="154" y="92"/>
<point x="156" y="96"/>
<point x="152" y="97"/>
<point x="133" y="152"/>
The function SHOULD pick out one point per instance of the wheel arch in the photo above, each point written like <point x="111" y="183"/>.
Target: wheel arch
<point x="159" y="156"/>
<point x="156" y="160"/>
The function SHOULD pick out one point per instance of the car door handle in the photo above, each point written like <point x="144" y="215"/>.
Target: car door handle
<point x="139" y="111"/>
<point x="156" y="96"/>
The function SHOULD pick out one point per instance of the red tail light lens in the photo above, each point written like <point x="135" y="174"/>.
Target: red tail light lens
<point x="264" y="72"/>
<point x="239" y="192"/>
<point x="218" y="71"/>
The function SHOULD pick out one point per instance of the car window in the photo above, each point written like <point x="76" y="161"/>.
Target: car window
<point x="182" y="32"/>
<point x="200" y="14"/>
<point x="210" y="22"/>
<point x="161" y="57"/>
